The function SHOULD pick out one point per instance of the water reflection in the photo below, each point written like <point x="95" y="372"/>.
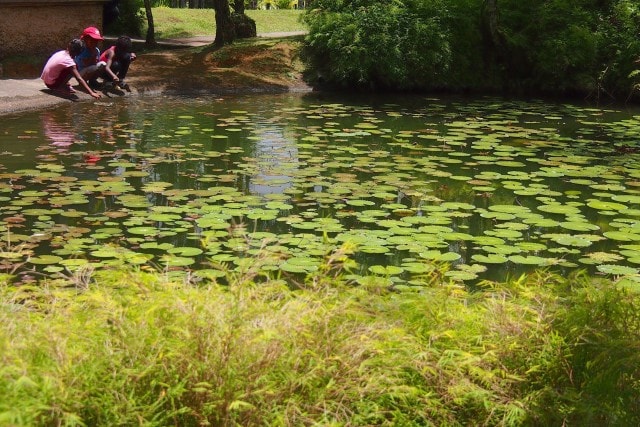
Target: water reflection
<point x="274" y="153"/>
<point x="57" y="129"/>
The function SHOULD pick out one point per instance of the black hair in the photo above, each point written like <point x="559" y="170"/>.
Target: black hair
<point x="75" y="47"/>
<point x="123" y="44"/>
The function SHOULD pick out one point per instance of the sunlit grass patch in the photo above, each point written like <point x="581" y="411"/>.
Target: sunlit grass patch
<point x="173" y="22"/>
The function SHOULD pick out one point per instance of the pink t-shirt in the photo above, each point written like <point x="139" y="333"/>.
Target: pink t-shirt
<point x="59" y="61"/>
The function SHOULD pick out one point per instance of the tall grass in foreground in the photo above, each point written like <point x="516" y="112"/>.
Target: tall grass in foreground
<point x="133" y="348"/>
<point x="172" y="22"/>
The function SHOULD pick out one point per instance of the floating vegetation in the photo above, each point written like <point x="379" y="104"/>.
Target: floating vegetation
<point x="481" y="189"/>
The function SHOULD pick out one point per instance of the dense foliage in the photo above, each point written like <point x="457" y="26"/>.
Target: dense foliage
<point x="378" y="44"/>
<point x="140" y="349"/>
<point x="586" y="46"/>
<point x="129" y="19"/>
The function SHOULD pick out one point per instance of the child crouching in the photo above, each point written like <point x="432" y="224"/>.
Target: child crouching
<point x="118" y="59"/>
<point x="61" y="67"/>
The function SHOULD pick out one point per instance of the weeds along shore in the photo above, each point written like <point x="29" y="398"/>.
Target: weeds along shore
<point x="129" y="347"/>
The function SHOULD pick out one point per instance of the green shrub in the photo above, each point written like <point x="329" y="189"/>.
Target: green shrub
<point x="619" y="51"/>
<point x="601" y="323"/>
<point x="551" y="45"/>
<point x="130" y="20"/>
<point x="585" y="47"/>
<point x="377" y="45"/>
<point x="129" y="348"/>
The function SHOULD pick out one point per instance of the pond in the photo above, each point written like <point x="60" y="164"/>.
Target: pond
<point x="482" y="188"/>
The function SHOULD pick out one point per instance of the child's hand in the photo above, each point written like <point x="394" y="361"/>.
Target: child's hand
<point x="133" y="56"/>
<point x="96" y="95"/>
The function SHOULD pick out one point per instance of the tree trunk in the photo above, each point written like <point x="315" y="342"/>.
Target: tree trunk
<point x="225" y="33"/>
<point x="490" y="21"/>
<point x="151" y="31"/>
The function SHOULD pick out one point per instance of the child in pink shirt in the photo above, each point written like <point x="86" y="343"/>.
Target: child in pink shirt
<point x="61" y="67"/>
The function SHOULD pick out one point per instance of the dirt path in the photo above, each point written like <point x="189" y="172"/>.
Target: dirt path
<point x="268" y="64"/>
<point x="205" y="40"/>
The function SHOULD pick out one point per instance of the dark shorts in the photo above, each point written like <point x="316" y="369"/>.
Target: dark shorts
<point x="62" y="79"/>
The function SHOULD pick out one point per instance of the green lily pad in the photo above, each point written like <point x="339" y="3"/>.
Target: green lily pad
<point x="616" y="270"/>
<point x="621" y="236"/>
<point x="45" y="260"/>
<point x="418" y="267"/>
<point x="602" y="205"/>
<point x="459" y="275"/>
<point x="373" y="249"/>
<point x="109" y="252"/>
<point x="579" y="226"/>
<point x="300" y="265"/>
<point x="528" y="260"/>
<point x="513" y="209"/>
<point x="360" y="203"/>
<point x="209" y="273"/>
<point x="559" y="209"/>
<point x="568" y="240"/>
<point x="626" y="198"/>
<point x="389" y="270"/>
<point x="489" y="259"/>
<point x="185" y="251"/>
<point x="144" y="231"/>
<point x="502" y="249"/>
<point x="176" y="261"/>
<point x="531" y="246"/>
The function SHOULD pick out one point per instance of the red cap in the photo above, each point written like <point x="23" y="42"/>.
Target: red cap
<point x="92" y="32"/>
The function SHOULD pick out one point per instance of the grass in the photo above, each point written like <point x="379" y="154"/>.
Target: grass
<point x="128" y="347"/>
<point x="171" y="23"/>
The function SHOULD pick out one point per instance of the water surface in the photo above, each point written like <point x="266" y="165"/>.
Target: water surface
<point x="485" y="188"/>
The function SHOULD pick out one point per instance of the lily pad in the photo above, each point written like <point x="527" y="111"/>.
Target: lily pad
<point x="459" y="275"/>
<point x="528" y="260"/>
<point x="45" y="259"/>
<point x="176" y="261"/>
<point x="579" y="226"/>
<point x="389" y="270"/>
<point x="603" y="205"/>
<point x="144" y="231"/>
<point x="568" y="240"/>
<point x="617" y="270"/>
<point x="489" y="259"/>
<point x="185" y="251"/>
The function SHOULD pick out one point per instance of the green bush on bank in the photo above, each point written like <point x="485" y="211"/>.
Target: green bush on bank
<point x="131" y="19"/>
<point x="560" y="47"/>
<point x="125" y="348"/>
<point x="378" y="45"/>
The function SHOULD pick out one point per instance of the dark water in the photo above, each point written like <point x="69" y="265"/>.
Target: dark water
<point x="487" y="187"/>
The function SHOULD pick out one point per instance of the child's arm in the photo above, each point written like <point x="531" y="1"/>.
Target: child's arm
<point x="84" y="84"/>
<point x="110" y="55"/>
